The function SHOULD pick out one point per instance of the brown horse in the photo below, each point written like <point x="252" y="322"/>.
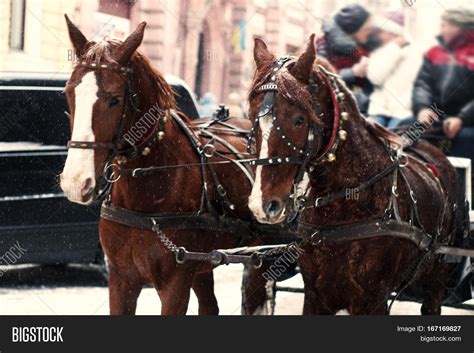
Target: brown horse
<point x="318" y="157"/>
<point x="111" y="89"/>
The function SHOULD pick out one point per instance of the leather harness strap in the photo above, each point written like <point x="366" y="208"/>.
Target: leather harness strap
<point x="325" y="200"/>
<point x="211" y="220"/>
<point x="194" y="221"/>
<point x="317" y="235"/>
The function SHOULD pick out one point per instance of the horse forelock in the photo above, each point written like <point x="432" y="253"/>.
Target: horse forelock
<point x="102" y="53"/>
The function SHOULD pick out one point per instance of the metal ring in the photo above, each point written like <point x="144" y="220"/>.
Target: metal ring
<point x="111" y="179"/>
<point x="211" y="152"/>
<point x="318" y="200"/>
<point x="403" y="165"/>
<point x="221" y="190"/>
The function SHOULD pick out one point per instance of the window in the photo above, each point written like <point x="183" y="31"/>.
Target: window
<point x="33" y="115"/>
<point x="17" y="24"/>
<point x="120" y="8"/>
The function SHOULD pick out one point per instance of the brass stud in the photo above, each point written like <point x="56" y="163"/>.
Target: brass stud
<point x="331" y="157"/>
<point x="343" y="135"/>
<point x="161" y="135"/>
<point x="345" y="116"/>
<point x="146" y="151"/>
<point x="121" y="160"/>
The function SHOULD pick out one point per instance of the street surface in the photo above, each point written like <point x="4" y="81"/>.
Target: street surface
<point x="81" y="290"/>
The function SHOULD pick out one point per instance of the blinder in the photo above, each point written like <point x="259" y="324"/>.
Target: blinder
<point x="313" y="144"/>
<point x="115" y="147"/>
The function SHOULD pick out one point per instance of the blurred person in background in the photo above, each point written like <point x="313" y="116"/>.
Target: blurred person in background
<point x="347" y="41"/>
<point x="234" y="103"/>
<point x="207" y="105"/>
<point x="446" y="82"/>
<point x="392" y="69"/>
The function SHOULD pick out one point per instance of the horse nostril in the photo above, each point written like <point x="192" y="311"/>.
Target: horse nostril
<point x="273" y="208"/>
<point x="87" y="185"/>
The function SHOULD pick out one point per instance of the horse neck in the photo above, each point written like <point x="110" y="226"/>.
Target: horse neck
<point x="162" y="191"/>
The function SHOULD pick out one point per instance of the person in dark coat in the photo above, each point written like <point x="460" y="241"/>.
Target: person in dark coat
<point x="444" y="88"/>
<point x="444" y="95"/>
<point x="347" y="41"/>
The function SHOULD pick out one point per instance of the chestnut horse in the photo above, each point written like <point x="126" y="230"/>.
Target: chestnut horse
<point x="322" y="162"/>
<point x="110" y="90"/>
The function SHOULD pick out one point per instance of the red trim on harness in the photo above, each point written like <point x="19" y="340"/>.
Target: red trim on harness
<point x="336" y="119"/>
<point x="434" y="169"/>
<point x="150" y="135"/>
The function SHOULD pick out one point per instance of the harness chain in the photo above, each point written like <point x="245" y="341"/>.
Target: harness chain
<point x="424" y="241"/>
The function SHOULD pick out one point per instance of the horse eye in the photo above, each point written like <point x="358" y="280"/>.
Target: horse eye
<point x="113" y="101"/>
<point x="299" y="121"/>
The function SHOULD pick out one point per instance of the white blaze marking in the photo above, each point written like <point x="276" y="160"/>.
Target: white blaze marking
<point x="302" y="189"/>
<point x="256" y="197"/>
<point x="80" y="162"/>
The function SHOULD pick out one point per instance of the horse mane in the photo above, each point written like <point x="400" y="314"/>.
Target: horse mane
<point x="101" y="53"/>
<point x="296" y="95"/>
<point x="375" y="128"/>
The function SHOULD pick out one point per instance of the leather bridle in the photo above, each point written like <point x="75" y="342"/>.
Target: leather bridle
<point x="116" y="147"/>
<point x="305" y="158"/>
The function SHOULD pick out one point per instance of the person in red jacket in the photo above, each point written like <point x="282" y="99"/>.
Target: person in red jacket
<point x="347" y="41"/>
<point x="444" y="88"/>
<point x="444" y="95"/>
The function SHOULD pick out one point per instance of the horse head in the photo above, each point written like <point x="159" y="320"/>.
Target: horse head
<point x="111" y="86"/>
<point x="291" y="101"/>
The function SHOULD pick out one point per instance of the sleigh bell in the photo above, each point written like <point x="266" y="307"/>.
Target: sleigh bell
<point x="146" y="151"/>
<point x="342" y="135"/>
<point x="121" y="160"/>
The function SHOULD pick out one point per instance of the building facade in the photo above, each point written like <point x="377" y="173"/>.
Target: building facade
<point x="208" y="43"/>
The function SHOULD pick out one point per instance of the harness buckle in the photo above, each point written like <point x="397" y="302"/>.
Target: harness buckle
<point x="135" y="171"/>
<point x="257" y="260"/>
<point x="395" y="191"/>
<point x="313" y="241"/>
<point x="181" y="256"/>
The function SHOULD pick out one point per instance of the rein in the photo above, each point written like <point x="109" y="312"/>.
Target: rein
<point x="130" y="104"/>
<point x="115" y="147"/>
<point x="207" y="218"/>
<point x="305" y="158"/>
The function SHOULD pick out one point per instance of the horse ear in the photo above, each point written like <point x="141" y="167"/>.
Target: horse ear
<point x="261" y="53"/>
<point x="78" y="39"/>
<point x="302" y="68"/>
<point x="130" y="45"/>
